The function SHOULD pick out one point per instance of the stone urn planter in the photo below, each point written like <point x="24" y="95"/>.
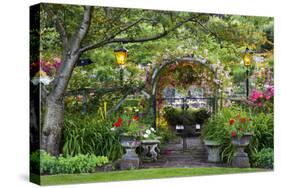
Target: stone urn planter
<point x="240" y="157"/>
<point x="214" y="150"/>
<point x="130" y="160"/>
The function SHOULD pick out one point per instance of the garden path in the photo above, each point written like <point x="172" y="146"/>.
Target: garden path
<point x="172" y="155"/>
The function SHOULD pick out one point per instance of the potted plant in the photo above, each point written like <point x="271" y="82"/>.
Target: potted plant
<point x="212" y="135"/>
<point x="201" y="116"/>
<point x="241" y="131"/>
<point x="181" y="121"/>
<point x="130" y="133"/>
<point x="149" y="144"/>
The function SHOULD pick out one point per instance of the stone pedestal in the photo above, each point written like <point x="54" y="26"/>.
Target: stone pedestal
<point x="150" y="149"/>
<point x="130" y="160"/>
<point x="184" y="131"/>
<point x="240" y="157"/>
<point x="214" y="150"/>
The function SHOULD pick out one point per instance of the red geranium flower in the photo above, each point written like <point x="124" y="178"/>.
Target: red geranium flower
<point x="233" y="134"/>
<point x="231" y="121"/>
<point x="118" y="123"/>
<point x="135" y="118"/>
<point x="120" y="120"/>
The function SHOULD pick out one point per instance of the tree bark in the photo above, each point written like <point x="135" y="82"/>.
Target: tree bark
<point x="54" y="115"/>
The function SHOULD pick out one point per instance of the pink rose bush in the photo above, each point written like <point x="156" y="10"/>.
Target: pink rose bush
<point x="262" y="101"/>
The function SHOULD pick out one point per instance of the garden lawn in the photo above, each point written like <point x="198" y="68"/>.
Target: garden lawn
<point x="139" y="174"/>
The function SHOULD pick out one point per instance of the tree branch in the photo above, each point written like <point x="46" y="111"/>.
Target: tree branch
<point x="117" y="106"/>
<point x="82" y="29"/>
<point x="72" y="55"/>
<point x="206" y="29"/>
<point x="112" y="39"/>
<point x="59" y="26"/>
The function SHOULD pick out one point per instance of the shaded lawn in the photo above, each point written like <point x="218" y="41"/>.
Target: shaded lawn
<point x="138" y="174"/>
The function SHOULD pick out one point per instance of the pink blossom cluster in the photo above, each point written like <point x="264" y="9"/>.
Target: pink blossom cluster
<point x="259" y="97"/>
<point x="49" y="67"/>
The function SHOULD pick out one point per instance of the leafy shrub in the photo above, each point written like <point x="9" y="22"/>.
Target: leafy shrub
<point x="176" y="116"/>
<point x="216" y="129"/>
<point x="44" y="163"/>
<point x="264" y="131"/>
<point x="264" y="158"/>
<point x="201" y="115"/>
<point x="166" y="134"/>
<point x="213" y="128"/>
<point x="85" y="134"/>
<point x="187" y="117"/>
<point x="172" y="115"/>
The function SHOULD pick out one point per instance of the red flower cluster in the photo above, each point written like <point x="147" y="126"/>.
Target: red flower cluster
<point x="239" y="125"/>
<point x="118" y="123"/>
<point x="135" y="118"/>
<point x="231" y="121"/>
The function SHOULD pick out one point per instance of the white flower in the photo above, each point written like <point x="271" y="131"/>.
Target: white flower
<point x="152" y="129"/>
<point x="206" y="51"/>
<point x="112" y="129"/>
<point x="145" y="135"/>
<point x="46" y="80"/>
<point x="148" y="132"/>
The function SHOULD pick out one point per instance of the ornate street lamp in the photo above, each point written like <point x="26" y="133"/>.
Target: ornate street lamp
<point x="247" y="59"/>
<point x="121" y="58"/>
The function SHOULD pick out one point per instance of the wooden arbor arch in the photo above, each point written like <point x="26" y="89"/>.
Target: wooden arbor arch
<point x="157" y="73"/>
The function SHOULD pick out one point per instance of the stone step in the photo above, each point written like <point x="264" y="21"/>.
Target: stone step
<point x="182" y="164"/>
<point x="172" y="155"/>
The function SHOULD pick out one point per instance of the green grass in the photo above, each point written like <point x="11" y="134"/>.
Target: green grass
<point x="139" y="174"/>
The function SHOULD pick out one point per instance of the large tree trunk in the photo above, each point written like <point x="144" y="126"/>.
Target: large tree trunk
<point x="51" y="134"/>
<point x="54" y="114"/>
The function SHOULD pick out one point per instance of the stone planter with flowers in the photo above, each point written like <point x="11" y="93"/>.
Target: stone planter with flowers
<point x="241" y="130"/>
<point x="149" y="145"/>
<point x="133" y="134"/>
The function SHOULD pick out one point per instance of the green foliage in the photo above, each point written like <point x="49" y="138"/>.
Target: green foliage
<point x="131" y="102"/>
<point x="263" y="132"/>
<point x="187" y="118"/>
<point x="201" y="115"/>
<point x="264" y="158"/>
<point x="238" y="74"/>
<point x="216" y="129"/>
<point x="47" y="164"/>
<point x="85" y="134"/>
<point x="166" y="134"/>
<point x="177" y="116"/>
<point x="172" y="115"/>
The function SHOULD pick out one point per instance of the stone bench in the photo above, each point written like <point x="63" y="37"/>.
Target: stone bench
<point x="150" y="149"/>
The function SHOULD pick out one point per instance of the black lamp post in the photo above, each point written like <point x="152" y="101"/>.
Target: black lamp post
<point x="247" y="59"/>
<point x="121" y="58"/>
